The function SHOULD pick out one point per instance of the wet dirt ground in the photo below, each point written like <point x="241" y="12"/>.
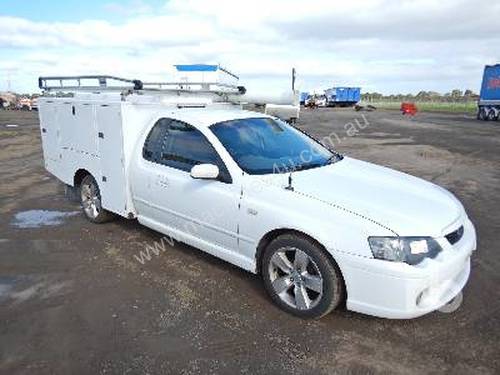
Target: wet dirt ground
<point x="73" y="299"/>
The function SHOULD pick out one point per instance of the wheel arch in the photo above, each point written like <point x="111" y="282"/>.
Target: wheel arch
<point x="271" y="235"/>
<point x="79" y="176"/>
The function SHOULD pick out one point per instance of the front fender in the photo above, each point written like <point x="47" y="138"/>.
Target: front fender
<point x="273" y="208"/>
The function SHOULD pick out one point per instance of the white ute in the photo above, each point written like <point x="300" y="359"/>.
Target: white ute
<point x="321" y="229"/>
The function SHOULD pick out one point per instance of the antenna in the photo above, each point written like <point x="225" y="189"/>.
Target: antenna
<point x="289" y="187"/>
<point x="293" y="79"/>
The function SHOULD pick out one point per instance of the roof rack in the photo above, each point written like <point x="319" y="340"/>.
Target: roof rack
<point x="105" y="83"/>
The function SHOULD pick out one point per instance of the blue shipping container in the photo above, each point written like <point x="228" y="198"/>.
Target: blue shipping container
<point x="343" y="96"/>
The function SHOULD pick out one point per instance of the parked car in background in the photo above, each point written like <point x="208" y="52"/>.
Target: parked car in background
<point x="315" y="100"/>
<point x="8" y="100"/>
<point x="24" y="104"/>
<point x="34" y="103"/>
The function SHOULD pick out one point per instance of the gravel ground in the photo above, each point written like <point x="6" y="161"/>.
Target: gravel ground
<point x="74" y="300"/>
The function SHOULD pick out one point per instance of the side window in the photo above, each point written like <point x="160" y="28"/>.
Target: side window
<point x="181" y="146"/>
<point x="152" y="147"/>
<point x="184" y="147"/>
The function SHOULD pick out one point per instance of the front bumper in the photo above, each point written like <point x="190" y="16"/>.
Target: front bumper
<point x="401" y="291"/>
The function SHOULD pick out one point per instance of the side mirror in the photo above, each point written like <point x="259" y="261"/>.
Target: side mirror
<point x="205" y="171"/>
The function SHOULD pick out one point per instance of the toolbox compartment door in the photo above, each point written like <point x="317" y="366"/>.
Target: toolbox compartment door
<point x="112" y="183"/>
<point x="49" y="127"/>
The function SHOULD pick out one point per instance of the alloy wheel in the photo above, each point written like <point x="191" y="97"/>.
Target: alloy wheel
<point x="91" y="200"/>
<point x="296" y="278"/>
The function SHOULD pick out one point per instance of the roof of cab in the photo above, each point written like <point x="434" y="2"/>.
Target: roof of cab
<point x="206" y="117"/>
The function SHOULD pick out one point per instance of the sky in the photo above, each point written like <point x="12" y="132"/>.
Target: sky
<point x="387" y="46"/>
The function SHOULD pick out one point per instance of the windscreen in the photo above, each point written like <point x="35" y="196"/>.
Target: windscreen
<point x="265" y="145"/>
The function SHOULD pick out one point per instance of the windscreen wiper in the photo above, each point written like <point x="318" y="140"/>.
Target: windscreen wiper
<point x="334" y="158"/>
<point x="303" y="167"/>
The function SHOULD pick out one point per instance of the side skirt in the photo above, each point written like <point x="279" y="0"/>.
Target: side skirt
<point x="228" y="255"/>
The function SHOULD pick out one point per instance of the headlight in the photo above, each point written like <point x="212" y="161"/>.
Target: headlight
<point x="411" y="250"/>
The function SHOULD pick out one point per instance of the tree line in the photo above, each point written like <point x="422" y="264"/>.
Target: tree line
<point x="455" y="95"/>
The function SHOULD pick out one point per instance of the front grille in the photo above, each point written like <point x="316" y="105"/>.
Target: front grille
<point x="455" y="236"/>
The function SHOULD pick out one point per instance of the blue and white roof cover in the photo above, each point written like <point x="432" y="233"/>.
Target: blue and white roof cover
<point x="197" y="68"/>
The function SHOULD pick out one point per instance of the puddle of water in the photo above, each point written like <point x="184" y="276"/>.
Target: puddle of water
<point x="4" y="290"/>
<point x="38" y="218"/>
<point x="41" y="290"/>
<point x="6" y="285"/>
<point x="22" y="288"/>
<point x="27" y="293"/>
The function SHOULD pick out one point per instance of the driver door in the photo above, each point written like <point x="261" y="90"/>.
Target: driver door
<point x="203" y="211"/>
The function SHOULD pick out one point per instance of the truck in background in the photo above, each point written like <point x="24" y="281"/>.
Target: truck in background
<point x="303" y="97"/>
<point x="489" y="98"/>
<point x="342" y="96"/>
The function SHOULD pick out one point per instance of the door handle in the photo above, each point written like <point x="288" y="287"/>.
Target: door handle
<point x="162" y="181"/>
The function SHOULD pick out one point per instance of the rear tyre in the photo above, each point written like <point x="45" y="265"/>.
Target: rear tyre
<point x="90" y="198"/>
<point x="492" y="116"/>
<point x="300" y="278"/>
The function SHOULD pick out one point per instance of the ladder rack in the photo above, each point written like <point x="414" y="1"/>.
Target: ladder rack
<point x="104" y="83"/>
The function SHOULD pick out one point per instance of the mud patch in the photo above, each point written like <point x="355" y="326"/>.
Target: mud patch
<point x="39" y="218"/>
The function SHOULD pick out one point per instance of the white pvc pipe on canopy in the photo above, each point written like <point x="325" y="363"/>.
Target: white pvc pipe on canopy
<point x="253" y="97"/>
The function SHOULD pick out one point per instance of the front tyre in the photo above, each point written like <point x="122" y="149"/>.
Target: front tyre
<point x="301" y="278"/>
<point x="90" y="198"/>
